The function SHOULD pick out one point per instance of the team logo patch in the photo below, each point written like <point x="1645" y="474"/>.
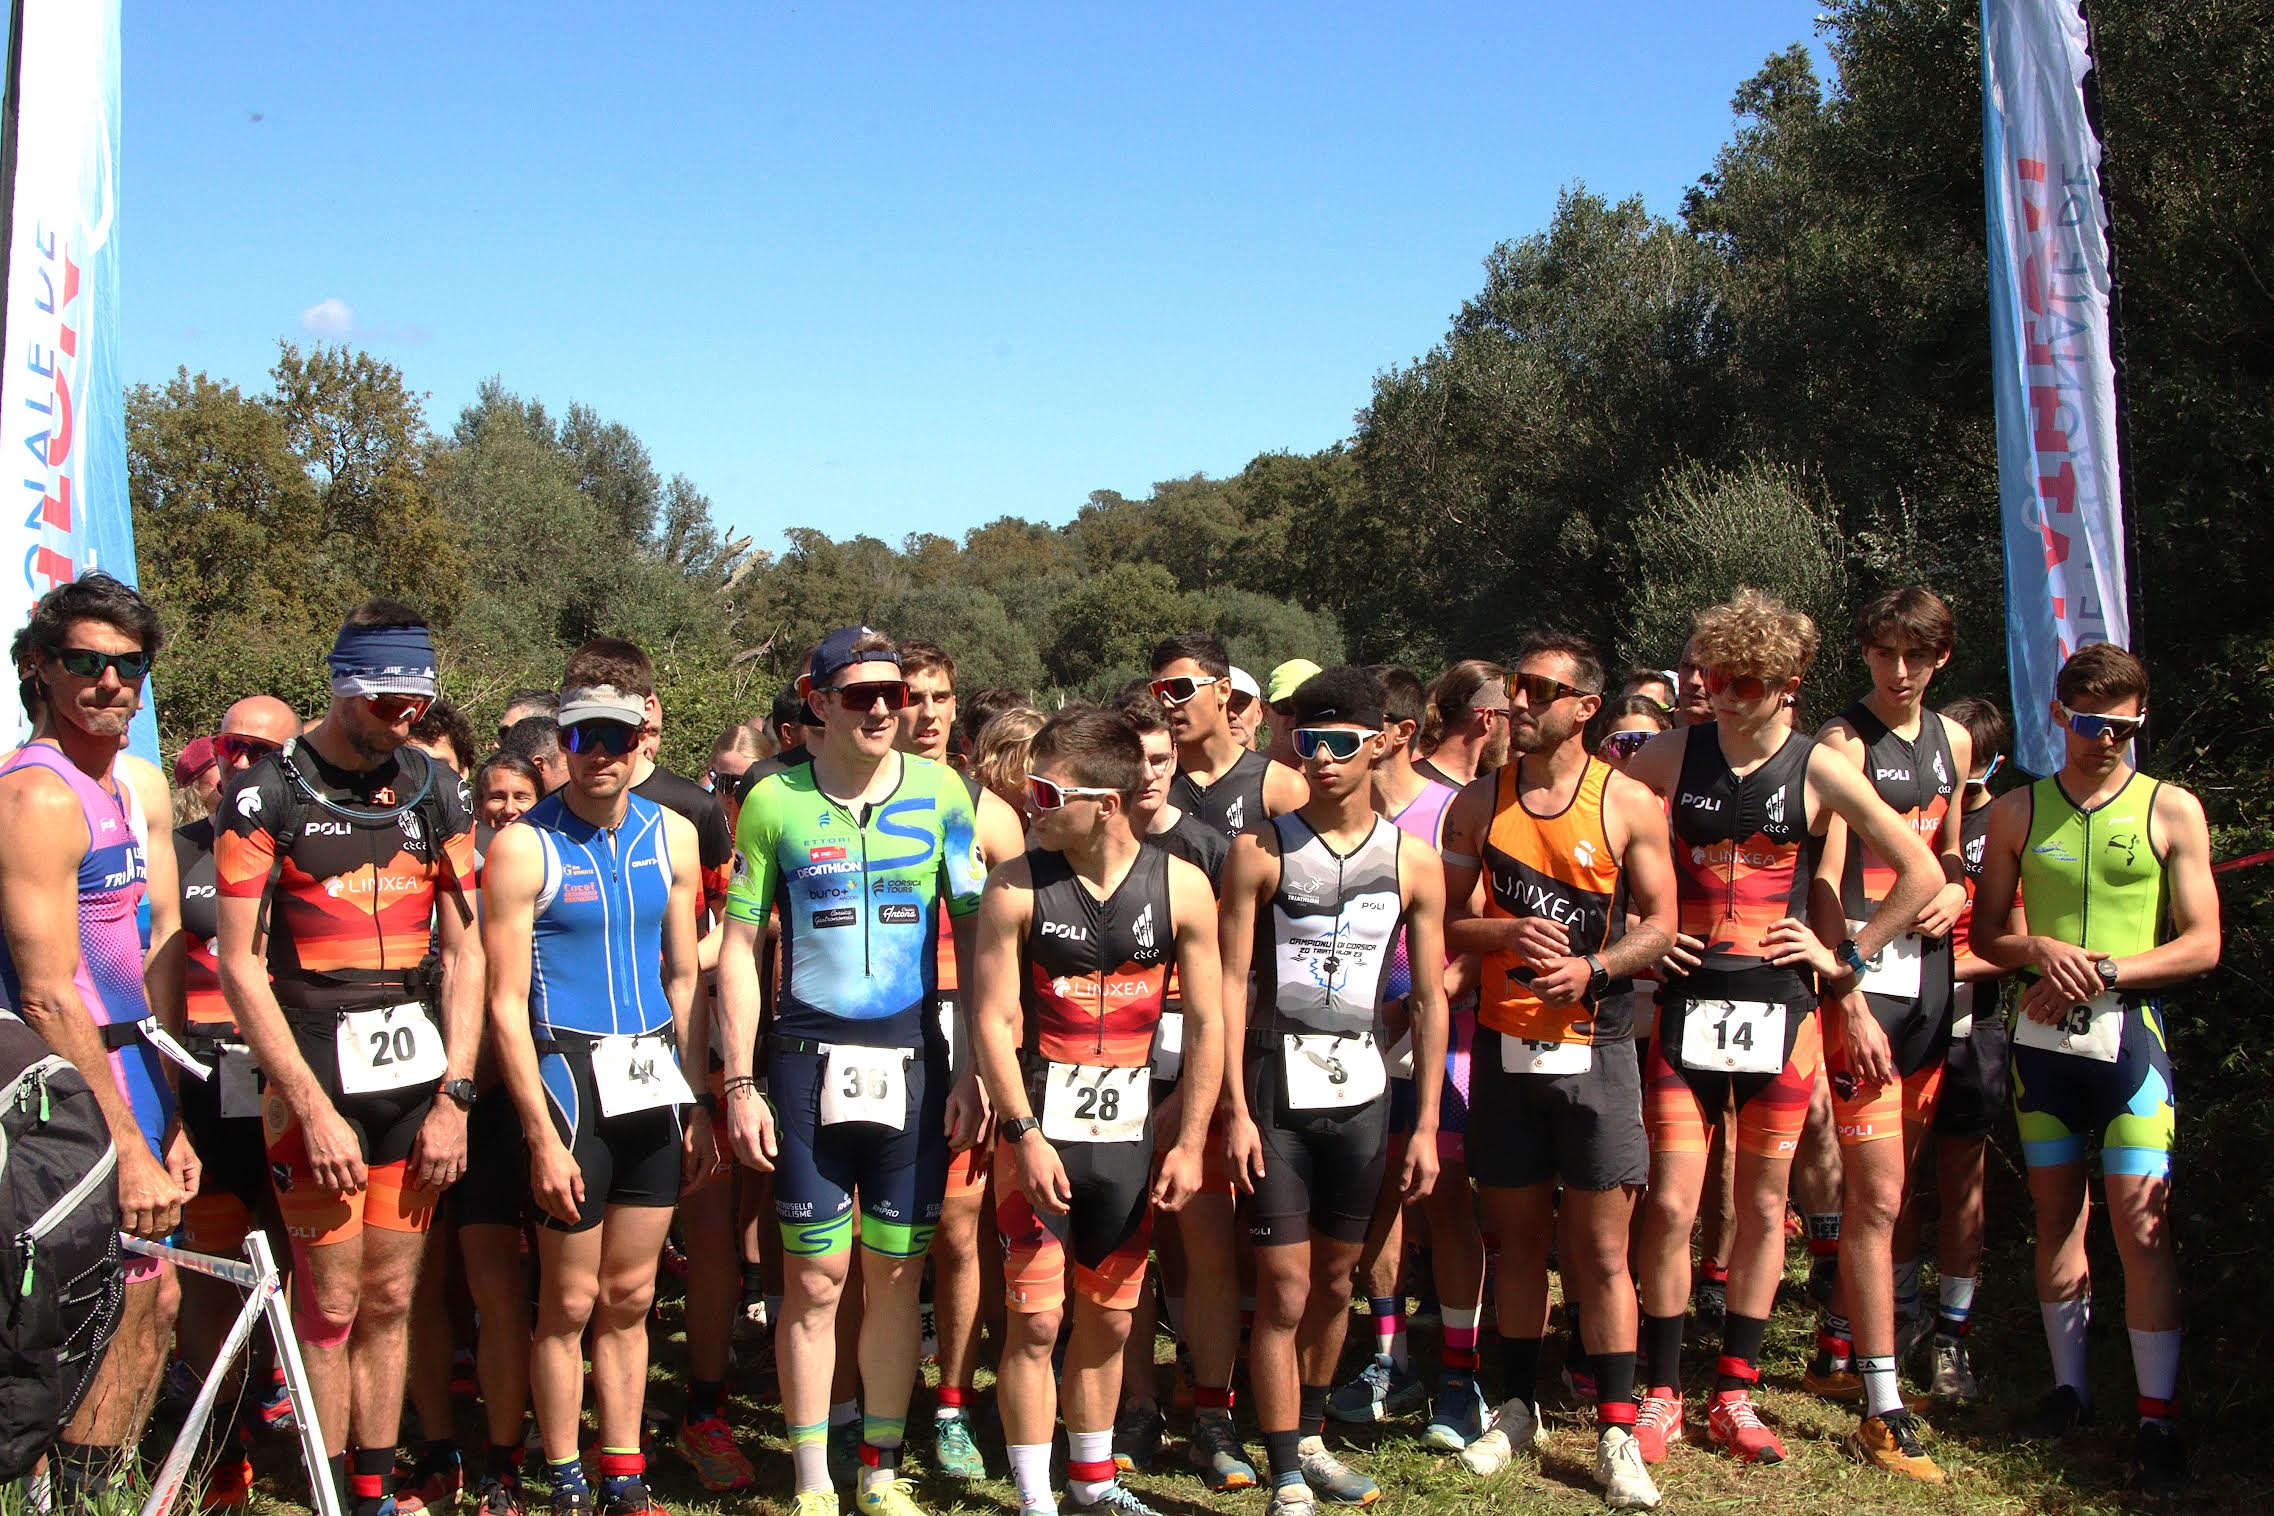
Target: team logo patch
<point x="1583" y="854"/>
<point x="899" y="914"/>
<point x="248" y="802"/>
<point x="824" y="854"/>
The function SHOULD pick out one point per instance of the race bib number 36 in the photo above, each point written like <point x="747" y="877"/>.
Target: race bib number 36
<point x="1085" y="1102"/>
<point x="1733" y="1036"/>
<point x="1325" y="1071"/>
<point x="864" y="1084"/>
<point x="637" y="1074"/>
<point x="2093" y="1030"/>
<point x="389" y="1049"/>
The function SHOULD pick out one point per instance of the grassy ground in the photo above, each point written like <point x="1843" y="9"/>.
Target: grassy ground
<point x="1990" y="1471"/>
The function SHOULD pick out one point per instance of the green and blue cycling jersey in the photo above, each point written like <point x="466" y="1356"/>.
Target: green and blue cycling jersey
<point x="859" y="897"/>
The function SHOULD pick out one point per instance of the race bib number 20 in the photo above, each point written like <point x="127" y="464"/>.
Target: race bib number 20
<point x="389" y="1049"/>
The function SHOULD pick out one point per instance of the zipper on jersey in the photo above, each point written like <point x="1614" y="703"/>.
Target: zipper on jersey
<point x="861" y="830"/>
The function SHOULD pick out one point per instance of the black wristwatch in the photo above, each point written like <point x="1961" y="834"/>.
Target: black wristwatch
<point x="2106" y="969"/>
<point x="1012" y="1128"/>
<point x="464" y="1091"/>
<point x="1597" y="977"/>
<point x="1851" y="958"/>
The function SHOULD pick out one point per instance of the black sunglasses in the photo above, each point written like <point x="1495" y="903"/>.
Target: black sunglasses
<point x="615" y="738"/>
<point x="865" y="695"/>
<point x="1539" y="689"/>
<point x="86" y="663"/>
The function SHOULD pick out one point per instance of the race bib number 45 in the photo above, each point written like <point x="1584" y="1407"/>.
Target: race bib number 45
<point x="1086" y="1102"/>
<point x="2093" y="1030"/>
<point x="1325" y="1071"/>
<point x="1733" y="1036"/>
<point x="864" y="1084"/>
<point x="389" y="1049"/>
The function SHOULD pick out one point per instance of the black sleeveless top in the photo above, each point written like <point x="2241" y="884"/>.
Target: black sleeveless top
<point x="1232" y="805"/>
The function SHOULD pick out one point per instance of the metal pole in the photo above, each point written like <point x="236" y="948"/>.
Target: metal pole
<point x="166" y="1488"/>
<point x="323" y="1497"/>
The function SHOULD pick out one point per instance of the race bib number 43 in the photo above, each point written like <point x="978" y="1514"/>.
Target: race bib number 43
<point x="1086" y="1102"/>
<point x="1733" y="1036"/>
<point x="389" y="1049"/>
<point x="2093" y="1030"/>
<point x="1325" y="1071"/>
<point x="864" y="1084"/>
<point x="1521" y="1055"/>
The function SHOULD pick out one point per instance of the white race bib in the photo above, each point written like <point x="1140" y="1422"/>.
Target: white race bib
<point x="1087" y="1102"/>
<point x="637" y="1074"/>
<point x="1325" y="1072"/>
<point x="1521" y="1055"/>
<point x="952" y="1038"/>
<point x="1733" y="1036"/>
<point x="389" y="1049"/>
<point x="1962" y="1019"/>
<point x="1168" y="1047"/>
<point x="240" y="1082"/>
<point x="1895" y="972"/>
<point x="2093" y="1030"/>
<point x="864" y="1084"/>
<point x="1401" y="1057"/>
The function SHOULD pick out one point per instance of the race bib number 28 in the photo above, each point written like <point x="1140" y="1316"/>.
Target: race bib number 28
<point x="1084" y="1102"/>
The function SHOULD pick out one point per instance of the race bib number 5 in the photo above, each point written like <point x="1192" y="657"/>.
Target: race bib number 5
<point x="2093" y="1030"/>
<point x="1325" y="1071"/>
<point x="864" y="1084"/>
<point x="389" y="1049"/>
<point x="1086" y="1102"/>
<point x="1733" y="1036"/>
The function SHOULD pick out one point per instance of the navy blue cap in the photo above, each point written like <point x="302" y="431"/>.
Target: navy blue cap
<point x="837" y="650"/>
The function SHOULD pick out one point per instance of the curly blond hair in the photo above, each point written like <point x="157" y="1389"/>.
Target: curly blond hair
<point x="999" y="757"/>
<point x="1754" y="633"/>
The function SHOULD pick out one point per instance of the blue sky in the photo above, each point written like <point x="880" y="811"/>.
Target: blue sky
<point x="889" y="268"/>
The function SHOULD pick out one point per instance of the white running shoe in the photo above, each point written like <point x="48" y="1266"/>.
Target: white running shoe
<point x="1620" y="1471"/>
<point x="1515" y="1428"/>
<point x="1953" y="1371"/>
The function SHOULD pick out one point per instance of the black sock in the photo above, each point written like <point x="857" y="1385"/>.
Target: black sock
<point x="1614" y="1377"/>
<point x="1662" y="1352"/>
<point x="1742" y="1340"/>
<point x="754" y="1281"/>
<point x="1575" y="1355"/>
<point x="1520" y="1369"/>
<point x="370" y="1479"/>
<point x="1279" y="1453"/>
<point x="441" y="1453"/>
<point x="502" y="1461"/>
<point x="338" y="1465"/>
<point x="705" y="1398"/>
<point x="1310" y="1420"/>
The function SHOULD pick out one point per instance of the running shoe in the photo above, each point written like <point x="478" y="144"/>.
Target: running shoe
<point x="1217" y="1455"/>
<point x="500" y="1497"/>
<point x="845" y="1454"/>
<point x="1845" y="1387"/>
<point x="1578" y="1384"/>
<point x="1116" y="1499"/>
<point x="815" y="1503"/>
<point x="229" y="1487"/>
<point x="887" y="1495"/>
<point x="435" y="1485"/>
<point x="1381" y="1391"/>
<point x="1711" y="1303"/>
<point x="631" y="1500"/>
<point x="2159" y="1459"/>
<point x="1293" y="1499"/>
<point x="1658" y="1423"/>
<point x="1137" y="1435"/>
<point x="1458" y="1417"/>
<point x="1627" y="1485"/>
<point x="1734" y="1426"/>
<point x="572" y="1502"/>
<point x="1891" y="1443"/>
<point x="1515" y="1428"/>
<point x="2056" y="1416"/>
<point x="1953" y="1378"/>
<point x="709" y="1449"/>
<point x="954" y="1454"/>
<point x="1331" y="1479"/>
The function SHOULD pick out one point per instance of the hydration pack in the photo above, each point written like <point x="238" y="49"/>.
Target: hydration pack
<point x="61" y="1281"/>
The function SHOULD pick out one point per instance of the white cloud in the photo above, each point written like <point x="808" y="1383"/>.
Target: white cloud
<point x="328" y="318"/>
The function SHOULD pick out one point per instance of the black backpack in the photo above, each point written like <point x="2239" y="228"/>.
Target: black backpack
<point x="61" y="1284"/>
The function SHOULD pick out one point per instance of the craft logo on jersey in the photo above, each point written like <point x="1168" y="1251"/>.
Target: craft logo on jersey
<point x="1142" y="928"/>
<point x="1974" y="851"/>
<point x="1941" y="774"/>
<point x="413" y="833"/>
<point x="1776" y="808"/>
<point x="1236" y="819"/>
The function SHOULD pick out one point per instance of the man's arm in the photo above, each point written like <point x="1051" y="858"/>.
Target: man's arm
<point x="1001" y="835"/>
<point x="1468" y="821"/>
<point x="992" y="1001"/>
<point x="1842" y="790"/>
<point x="749" y="1120"/>
<point x="39" y="913"/>
<point x="682" y="937"/>
<point x="512" y="874"/>
<point x="166" y="962"/>
<point x="1200" y="980"/>
<point x="1251" y="873"/>
<point x="2194" y="946"/>
<point x="1949" y="902"/>
<point x="1646" y="863"/>
<point x="1424" y="889"/>
<point x="438" y="1155"/>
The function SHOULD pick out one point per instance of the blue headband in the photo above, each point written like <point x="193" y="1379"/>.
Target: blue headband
<point x="383" y="660"/>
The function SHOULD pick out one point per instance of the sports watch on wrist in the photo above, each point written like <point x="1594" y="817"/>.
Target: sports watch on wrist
<point x="1597" y="977"/>
<point x="464" y="1091"/>
<point x="2106" y="969"/>
<point x="1851" y="958"/>
<point x="1012" y="1128"/>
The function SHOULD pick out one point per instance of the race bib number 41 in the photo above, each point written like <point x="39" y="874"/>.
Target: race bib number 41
<point x="864" y="1084"/>
<point x="1733" y="1036"/>
<point x="389" y="1049"/>
<point x="1325" y="1071"/>
<point x="2093" y="1030"/>
<point x="1086" y="1102"/>
<point x="637" y="1074"/>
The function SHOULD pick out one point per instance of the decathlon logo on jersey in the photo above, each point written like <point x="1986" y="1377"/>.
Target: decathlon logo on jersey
<point x="1067" y="930"/>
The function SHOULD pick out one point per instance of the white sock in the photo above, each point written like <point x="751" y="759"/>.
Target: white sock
<point x="1907" y="1302"/>
<point x="1956" y="1304"/>
<point x="1092" y="1448"/>
<point x="1881" y="1392"/>
<point x="2065" y="1322"/>
<point x="845" y="1412"/>
<point x="1030" y="1471"/>
<point x="2155" y="1364"/>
